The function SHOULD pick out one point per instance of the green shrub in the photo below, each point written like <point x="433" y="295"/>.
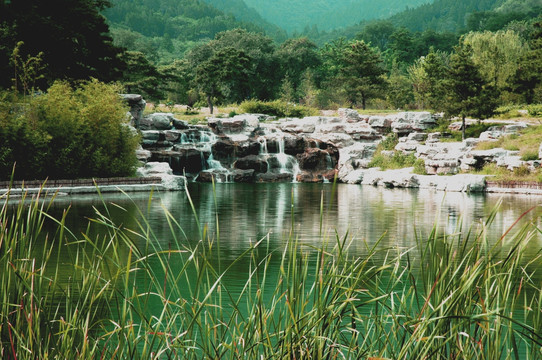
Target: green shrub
<point x="535" y="110"/>
<point x="529" y="155"/>
<point x="397" y="161"/>
<point x="276" y="108"/>
<point x="67" y="133"/>
<point x="389" y="142"/>
<point x="419" y="167"/>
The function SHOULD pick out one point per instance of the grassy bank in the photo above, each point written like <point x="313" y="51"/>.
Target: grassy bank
<point x="120" y="294"/>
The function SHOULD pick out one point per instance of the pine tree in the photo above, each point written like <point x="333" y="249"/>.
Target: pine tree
<point x="467" y="94"/>
<point x="361" y="73"/>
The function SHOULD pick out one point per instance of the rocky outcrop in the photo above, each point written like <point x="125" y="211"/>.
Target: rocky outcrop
<point x="163" y="171"/>
<point x="260" y="148"/>
<point x="137" y="106"/>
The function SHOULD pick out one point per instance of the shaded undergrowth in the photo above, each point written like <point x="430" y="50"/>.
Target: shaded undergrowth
<point x="107" y="296"/>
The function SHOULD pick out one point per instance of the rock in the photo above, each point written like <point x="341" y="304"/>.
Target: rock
<point x="298" y="126"/>
<point x="417" y="136"/>
<point x="188" y="160"/>
<point x="349" y="115"/>
<point x="315" y="160"/>
<point x="510" y="162"/>
<point x="540" y="151"/>
<point x="155" y="169"/>
<point x="407" y="147"/>
<point x="253" y="162"/>
<point x="180" y="124"/>
<point x="406" y="122"/>
<point x="337" y="139"/>
<point x="433" y="137"/>
<point x="455" y="183"/>
<point x="362" y="132"/>
<point x="401" y="178"/>
<point x="164" y="171"/>
<point x="243" y="176"/>
<point x="441" y="166"/>
<point x="245" y="125"/>
<point x="380" y="123"/>
<point x="294" y="145"/>
<point x="159" y="121"/>
<point x="137" y="107"/>
<point x="143" y="155"/>
<point x="172" y="135"/>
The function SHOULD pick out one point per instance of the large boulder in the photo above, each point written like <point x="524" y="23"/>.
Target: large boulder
<point x="157" y="121"/>
<point x="349" y="115"/>
<point x="407" y="122"/>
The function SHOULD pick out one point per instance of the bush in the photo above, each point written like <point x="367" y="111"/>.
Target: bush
<point x="68" y="133"/>
<point x="535" y="110"/>
<point x="529" y="155"/>
<point x="277" y="108"/>
<point x="397" y="161"/>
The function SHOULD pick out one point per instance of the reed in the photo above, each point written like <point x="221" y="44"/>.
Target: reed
<point x="125" y="293"/>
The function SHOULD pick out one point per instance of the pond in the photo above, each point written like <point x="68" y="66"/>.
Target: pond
<point x="247" y="213"/>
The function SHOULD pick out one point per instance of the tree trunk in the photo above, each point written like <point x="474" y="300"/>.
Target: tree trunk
<point x="463" y="127"/>
<point x="363" y="102"/>
<point x="210" y="104"/>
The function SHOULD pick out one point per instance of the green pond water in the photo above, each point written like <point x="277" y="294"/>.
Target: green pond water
<point x="250" y="212"/>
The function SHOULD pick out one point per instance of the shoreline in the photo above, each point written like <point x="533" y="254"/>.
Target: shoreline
<point x="399" y="178"/>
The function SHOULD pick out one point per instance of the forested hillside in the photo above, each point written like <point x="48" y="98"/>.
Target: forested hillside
<point x="296" y="15"/>
<point x="165" y="29"/>
<point x="443" y="16"/>
<point x="242" y="12"/>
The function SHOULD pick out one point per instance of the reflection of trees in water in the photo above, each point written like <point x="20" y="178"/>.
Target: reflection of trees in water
<point x="248" y="212"/>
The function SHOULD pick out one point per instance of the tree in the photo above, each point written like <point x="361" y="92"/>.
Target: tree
<point x="361" y="73"/>
<point x="296" y="57"/>
<point x="72" y="35"/>
<point x="377" y="33"/>
<point x="400" y="93"/>
<point x="467" y="93"/>
<point x="141" y="77"/>
<point x="528" y="77"/>
<point x="224" y="76"/>
<point x="496" y="54"/>
<point x="426" y="75"/>
<point x="264" y="81"/>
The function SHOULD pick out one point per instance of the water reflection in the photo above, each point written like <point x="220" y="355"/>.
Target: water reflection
<point x="248" y="212"/>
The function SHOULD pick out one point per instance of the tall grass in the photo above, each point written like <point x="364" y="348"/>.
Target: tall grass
<point x="66" y="295"/>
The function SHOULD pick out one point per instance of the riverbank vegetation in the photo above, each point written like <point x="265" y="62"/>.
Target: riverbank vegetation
<point x="66" y="133"/>
<point x="116" y="291"/>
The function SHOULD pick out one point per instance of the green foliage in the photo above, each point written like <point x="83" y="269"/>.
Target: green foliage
<point x="276" y="108"/>
<point x="400" y="92"/>
<point x="496" y="55"/>
<point x="360" y="73"/>
<point x="535" y="110"/>
<point x="398" y="160"/>
<point x="71" y="36"/>
<point x="529" y="155"/>
<point x="467" y="94"/>
<point x="67" y="133"/>
<point x="419" y="167"/>
<point x="389" y="142"/>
